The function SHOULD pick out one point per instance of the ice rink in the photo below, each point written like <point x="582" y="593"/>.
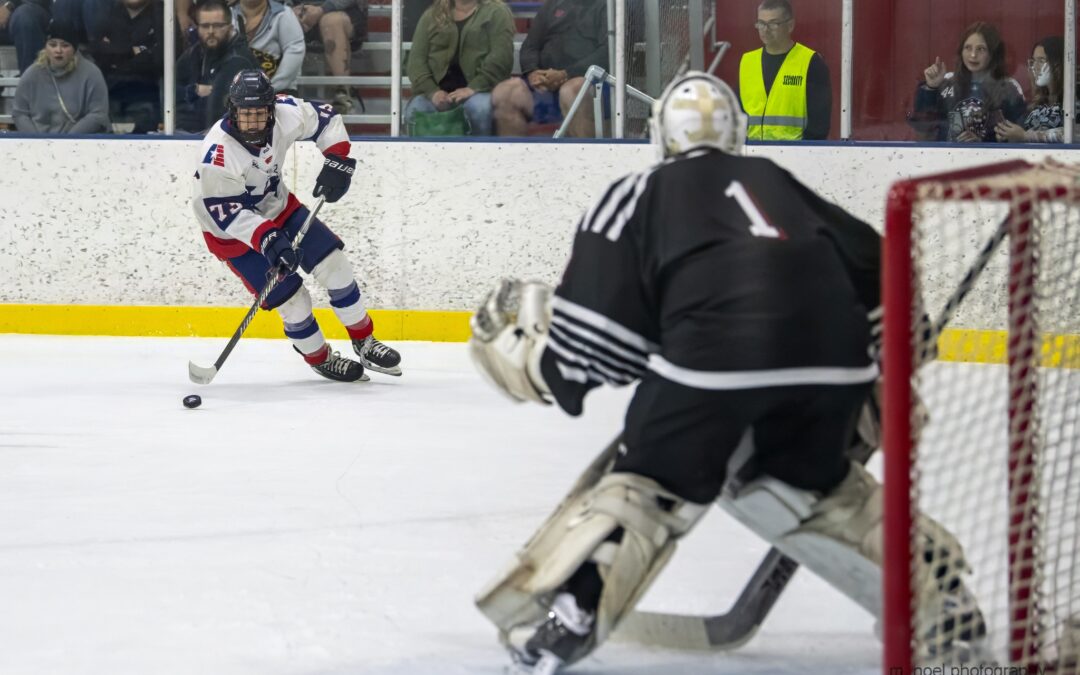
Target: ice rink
<point x="293" y="525"/>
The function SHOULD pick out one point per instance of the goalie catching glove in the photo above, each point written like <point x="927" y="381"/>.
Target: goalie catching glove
<point x="509" y="332"/>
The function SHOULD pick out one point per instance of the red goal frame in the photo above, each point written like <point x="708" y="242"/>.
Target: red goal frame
<point x="991" y="183"/>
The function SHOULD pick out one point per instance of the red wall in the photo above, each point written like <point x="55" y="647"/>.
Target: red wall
<point x="894" y="41"/>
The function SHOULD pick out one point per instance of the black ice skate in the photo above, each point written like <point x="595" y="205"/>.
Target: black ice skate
<point x="565" y="637"/>
<point x="377" y="356"/>
<point x="339" y="368"/>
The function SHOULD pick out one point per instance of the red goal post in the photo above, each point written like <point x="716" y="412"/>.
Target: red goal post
<point x="981" y="410"/>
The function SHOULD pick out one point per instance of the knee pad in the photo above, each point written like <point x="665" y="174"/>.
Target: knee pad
<point x="334" y="272"/>
<point x="297" y="308"/>
<point x="652" y="519"/>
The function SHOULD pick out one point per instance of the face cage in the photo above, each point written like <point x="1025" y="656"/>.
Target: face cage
<point x="261" y="137"/>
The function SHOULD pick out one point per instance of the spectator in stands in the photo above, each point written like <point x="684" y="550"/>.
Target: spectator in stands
<point x="205" y="70"/>
<point x="565" y="38"/>
<point x="965" y="105"/>
<point x="62" y="92"/>
<point x="461" y="50"/>
<point x="130" y="54"/>
<point x="86" y="16"/>
<point x="342" y="28"/>
<point x="784" y="86"/>
<point x="1045" y="119"/>
<point x="276" y="40"/>
<point x="23" y="24"/>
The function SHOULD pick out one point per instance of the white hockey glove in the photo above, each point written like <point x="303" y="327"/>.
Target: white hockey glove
<point x="508" y="336"/>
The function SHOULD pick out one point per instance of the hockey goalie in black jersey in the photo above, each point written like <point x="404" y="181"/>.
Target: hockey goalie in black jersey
<point x="739" y="299"/>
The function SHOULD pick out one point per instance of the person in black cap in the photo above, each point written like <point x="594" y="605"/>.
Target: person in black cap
<point x="62" y="92"/>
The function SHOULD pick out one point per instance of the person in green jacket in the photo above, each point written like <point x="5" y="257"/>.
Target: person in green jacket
<point x="460" y="51"/>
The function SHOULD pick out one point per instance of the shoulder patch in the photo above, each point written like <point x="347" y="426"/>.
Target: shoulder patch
<point x="285" y="99"/>
<point x="215" y="155"/>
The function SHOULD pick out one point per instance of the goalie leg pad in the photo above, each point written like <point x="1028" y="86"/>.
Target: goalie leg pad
<point x="839" y="536"/>
<point x="833" y="537"/>
<point x="578" y="532"/>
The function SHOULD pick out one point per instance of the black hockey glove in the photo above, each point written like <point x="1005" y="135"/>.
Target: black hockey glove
<point x="333" y="181"/>
<point x="277" y="248"/>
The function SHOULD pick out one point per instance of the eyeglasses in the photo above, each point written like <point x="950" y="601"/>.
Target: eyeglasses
<point x="1037" y="62"/>
<point x="214" y="26"/>
<point x="770" y="25"/>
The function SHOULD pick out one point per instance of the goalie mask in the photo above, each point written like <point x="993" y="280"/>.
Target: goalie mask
<point x="697" y="110"/>
<point x="251" y="89"/>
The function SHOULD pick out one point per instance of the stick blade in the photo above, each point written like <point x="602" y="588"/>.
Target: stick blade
<point x="724" y="632"/>
<point x="672" y="631"/>
<point x="201" y="375"/>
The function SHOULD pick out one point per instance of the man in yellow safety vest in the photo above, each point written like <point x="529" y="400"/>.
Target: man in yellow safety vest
<point x="784" y="86"/>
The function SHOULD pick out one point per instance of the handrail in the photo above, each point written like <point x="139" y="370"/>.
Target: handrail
<point x="593" y="76"/>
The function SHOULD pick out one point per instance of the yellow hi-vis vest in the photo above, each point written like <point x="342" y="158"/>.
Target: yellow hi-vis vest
<point x="779" y="115"/>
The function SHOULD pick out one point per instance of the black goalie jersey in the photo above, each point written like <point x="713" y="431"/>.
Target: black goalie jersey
<point x="716" y="272"/>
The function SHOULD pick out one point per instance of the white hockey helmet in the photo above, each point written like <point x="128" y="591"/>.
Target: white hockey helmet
<point x="697" y="110"/>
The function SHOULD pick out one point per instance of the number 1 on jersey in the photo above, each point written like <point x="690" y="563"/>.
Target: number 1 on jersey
<point x="759" y="226"/>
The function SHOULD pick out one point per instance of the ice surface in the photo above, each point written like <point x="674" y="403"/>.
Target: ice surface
<point x="293" y="525"/>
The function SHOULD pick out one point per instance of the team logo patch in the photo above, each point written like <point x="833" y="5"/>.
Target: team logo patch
<point x="215" y="155"/>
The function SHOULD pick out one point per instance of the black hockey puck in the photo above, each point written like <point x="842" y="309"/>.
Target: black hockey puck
<point x="192" y="401"/>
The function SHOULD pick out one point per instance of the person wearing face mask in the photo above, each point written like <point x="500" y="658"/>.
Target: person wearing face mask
<point x="61" y="93"/>
<point x="966" y="105"/>
<point x="1045" y="120"/>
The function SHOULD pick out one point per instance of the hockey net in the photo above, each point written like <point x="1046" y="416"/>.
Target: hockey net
<point x="981" y="289"/>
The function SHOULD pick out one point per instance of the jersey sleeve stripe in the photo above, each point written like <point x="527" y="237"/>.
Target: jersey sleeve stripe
<point x="601" y="343"/>
<point x="598" y="321"/>
<point x="601" y="373"/>
<point x="572" y="374"/>
<point x="592" y="354"/>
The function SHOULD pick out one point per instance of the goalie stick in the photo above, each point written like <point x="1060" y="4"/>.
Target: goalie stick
<point x="738" y="625"/>
<point x="205" y="374"/>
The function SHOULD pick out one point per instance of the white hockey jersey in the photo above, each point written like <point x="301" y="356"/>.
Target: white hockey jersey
<point x="238" y="194"/>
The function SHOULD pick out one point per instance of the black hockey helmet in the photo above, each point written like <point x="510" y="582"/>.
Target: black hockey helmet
<point x="251" y="89"/>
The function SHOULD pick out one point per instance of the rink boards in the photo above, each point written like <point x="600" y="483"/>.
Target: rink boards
<point x="429" y="226"/>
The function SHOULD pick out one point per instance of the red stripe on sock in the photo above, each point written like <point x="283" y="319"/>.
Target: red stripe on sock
<point x="361" y="329"/>
<point x="318" y="357"/>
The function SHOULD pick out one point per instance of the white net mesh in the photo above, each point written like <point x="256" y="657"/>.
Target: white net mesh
<point x="996" y="443"/>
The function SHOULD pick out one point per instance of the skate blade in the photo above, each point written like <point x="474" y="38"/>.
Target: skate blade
<point x="395" y="371"/>
<point x="547" y="665"/>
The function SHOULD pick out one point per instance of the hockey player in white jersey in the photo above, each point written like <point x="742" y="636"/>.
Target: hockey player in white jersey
<point x="249" y="219"/>
<point x="739" y="299"/>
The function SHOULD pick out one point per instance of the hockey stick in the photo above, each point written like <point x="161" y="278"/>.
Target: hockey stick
<point x="205" y="375"/>
<point x="739" y="624"/>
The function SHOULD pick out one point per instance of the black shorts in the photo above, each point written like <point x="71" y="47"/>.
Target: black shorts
<point x="683" y="437"/>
